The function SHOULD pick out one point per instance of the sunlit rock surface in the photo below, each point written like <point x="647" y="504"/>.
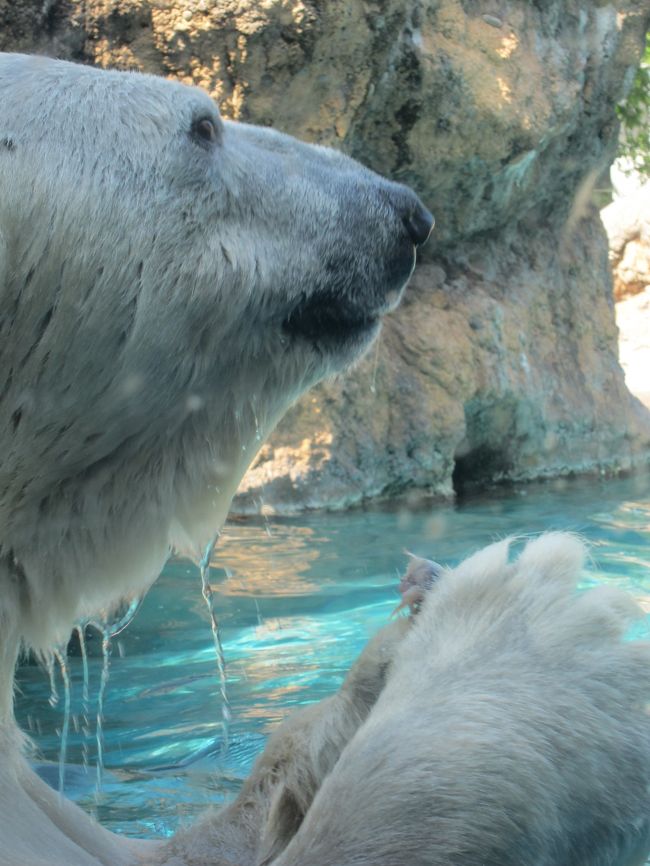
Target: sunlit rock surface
<point x="502" y="361"/>
<point x="627" y="223"/>
<point x="633" y="319"/>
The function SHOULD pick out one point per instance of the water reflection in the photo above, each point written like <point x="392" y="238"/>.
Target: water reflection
<point x="252" y="564"/>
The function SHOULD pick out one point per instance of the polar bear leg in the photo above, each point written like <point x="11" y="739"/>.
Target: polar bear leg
<point x="41" y="828"/>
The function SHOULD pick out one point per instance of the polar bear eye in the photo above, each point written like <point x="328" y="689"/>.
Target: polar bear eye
<point x="204" y="131"/>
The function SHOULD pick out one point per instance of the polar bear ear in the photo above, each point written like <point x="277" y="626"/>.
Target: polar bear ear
<point x="284" y="819"/>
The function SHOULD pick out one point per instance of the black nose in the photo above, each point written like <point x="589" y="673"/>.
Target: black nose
<point x="418" y="223"/>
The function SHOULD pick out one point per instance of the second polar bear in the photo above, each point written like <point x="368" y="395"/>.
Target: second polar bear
<point x="506" y="726"/>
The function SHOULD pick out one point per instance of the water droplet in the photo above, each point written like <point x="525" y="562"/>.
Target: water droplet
<point x="375" y="364"/>
<point x="208" y="595"/>
<point x="120" y="617"/>
<point x="61" y="657"/>
<point x="266" y="510"/>
<point x="85" y="699"/>
<point x="194" y="403"/>
<point x="53" y="700"/>
<point x="132" y="384"/>
<point x="99" y="719"/>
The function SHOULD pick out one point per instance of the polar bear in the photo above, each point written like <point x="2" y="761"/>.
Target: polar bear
<point x="169" y="284"/>
<point x="513" y="729"/>
<point x="506" y="723"/>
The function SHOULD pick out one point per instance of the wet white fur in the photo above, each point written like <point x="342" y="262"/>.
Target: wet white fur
<point x="283" y="782"/>
<point x="505" y="725"/>
<point x="512" y="730"/>
<point x="145" y="278"/>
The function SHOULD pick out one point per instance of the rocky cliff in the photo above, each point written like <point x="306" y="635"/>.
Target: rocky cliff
<point x="502" y="362"/>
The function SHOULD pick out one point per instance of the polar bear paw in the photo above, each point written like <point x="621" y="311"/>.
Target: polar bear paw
<point x="419" y="577"/>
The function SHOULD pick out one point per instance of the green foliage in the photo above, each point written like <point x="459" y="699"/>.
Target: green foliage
<point x="634" y="114"/>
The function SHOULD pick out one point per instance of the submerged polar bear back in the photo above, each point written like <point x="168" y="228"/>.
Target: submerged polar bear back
<point x="170" y="283"/>
<point x="513" y="729"/>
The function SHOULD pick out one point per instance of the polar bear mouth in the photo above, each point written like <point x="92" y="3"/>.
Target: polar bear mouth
<point x="324" y="318"/>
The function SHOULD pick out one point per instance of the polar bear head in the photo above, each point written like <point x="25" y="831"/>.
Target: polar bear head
<point x="169" y="284"/>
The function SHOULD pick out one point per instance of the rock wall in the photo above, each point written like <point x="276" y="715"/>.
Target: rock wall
<point x="502" y="362"/>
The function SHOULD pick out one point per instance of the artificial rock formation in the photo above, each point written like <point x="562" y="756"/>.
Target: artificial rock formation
<point x="502" y="361"/>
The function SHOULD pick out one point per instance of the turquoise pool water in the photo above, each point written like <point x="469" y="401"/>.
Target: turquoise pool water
<point x="296" y="599"/>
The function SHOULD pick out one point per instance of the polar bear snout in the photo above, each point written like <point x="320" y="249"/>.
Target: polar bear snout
<point x="419" y="223"/>
<point x="410" y="227"/>
<point x="356" y="248"/>
<point x="366" y="282"/>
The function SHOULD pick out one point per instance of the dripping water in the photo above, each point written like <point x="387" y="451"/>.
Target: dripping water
<point x="85" y="698"/>
<point x="62" y="658"/>
<point x="53" y="699"/>
<point x="259" y="615"/>
<point x="208" y="595"/>
<point x="109" y="625"/>
<point x="258" y="432"/>
<point x="375" y="365"/>
<point x="124" y="615"/>
<point x="99" y="719"/>
<point x="265" y="517"/>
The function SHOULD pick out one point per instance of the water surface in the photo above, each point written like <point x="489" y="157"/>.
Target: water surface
<point x="296" y="600"/>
